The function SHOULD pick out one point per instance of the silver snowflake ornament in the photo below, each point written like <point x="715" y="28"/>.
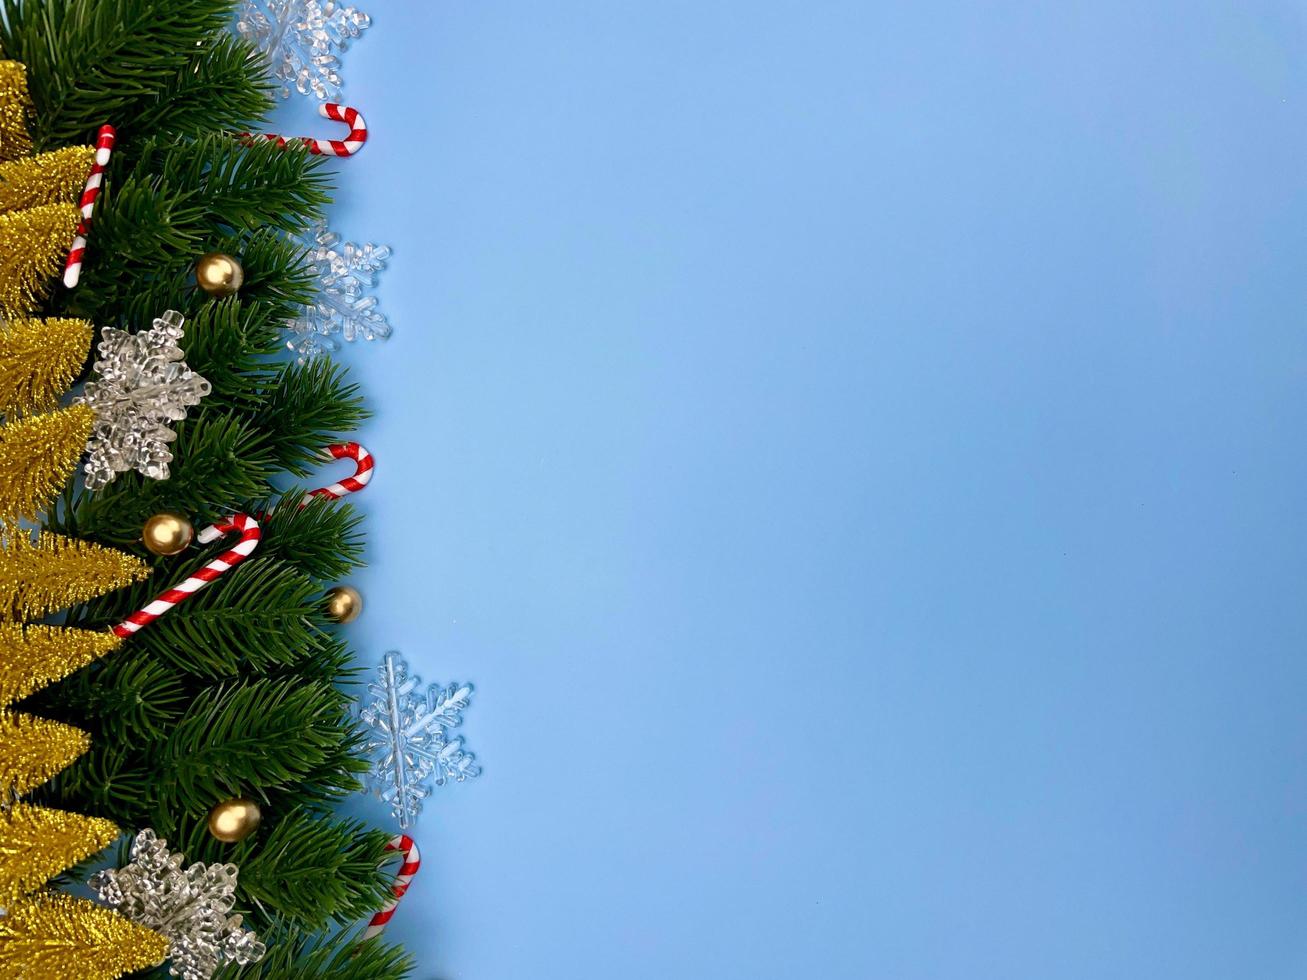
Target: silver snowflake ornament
<point x="410" y="743"/>
<point x="187" y="906"/>
<point x="345" y="308"/>
<point x="303" y="41"/>
<point x="141" y="383"/>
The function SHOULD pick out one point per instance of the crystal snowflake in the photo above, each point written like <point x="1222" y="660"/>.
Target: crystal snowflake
<point x="410" y="743"/>
<point x="344" y="309"/>
<point x="303" y="40"/>
<point x="188" y="907"/>
<point x="141" y="384"/>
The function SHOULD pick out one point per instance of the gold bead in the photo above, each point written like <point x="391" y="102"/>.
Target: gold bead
<point x="219" y="274"/>
<point x="234" y="820"/>
<point x="344" y="604"/>
<point x="167" y="534"/>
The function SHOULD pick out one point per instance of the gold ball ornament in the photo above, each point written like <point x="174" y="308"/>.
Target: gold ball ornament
<point x="344" y="604"/>
<point x="234" y="820"/>
<point x="218" y="274"/>
<point x="167" y="534"/>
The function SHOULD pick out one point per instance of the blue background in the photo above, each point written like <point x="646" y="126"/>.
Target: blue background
<point x="855" y="449"/>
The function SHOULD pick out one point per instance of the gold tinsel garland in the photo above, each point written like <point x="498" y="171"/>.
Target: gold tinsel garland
<point x="39" y="360"/>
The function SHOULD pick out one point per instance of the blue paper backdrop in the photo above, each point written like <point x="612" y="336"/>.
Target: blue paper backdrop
<point x="855" y="449"/>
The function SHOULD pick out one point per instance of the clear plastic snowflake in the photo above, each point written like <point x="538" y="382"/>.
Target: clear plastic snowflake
<point x="303" y="40"/>
<point x="188" y="907"/>
<point x="410" y="743"/>
<point x="345" y="308"/>
<point x="141" y="383"/>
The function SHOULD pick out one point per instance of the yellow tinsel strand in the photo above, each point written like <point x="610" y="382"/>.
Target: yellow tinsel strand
<point x="14" y="102"/>
<point x="58" y="937"/>
<point x="51" y="573"/>
<point x="37" y="843"/>
<point x="39" y="360"/>
<point x="47" y="178"/>
<point x="32" y="657"/>
<point x="33" y="245"/>
<point x="33" y="749"/>
<point x="37" y="456"/>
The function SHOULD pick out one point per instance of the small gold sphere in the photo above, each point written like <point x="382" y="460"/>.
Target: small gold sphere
<point x="234" y="820"/>
<point x="344" y="604"/>
<point x="218" y="274"/>
<point x="167" y="534"/>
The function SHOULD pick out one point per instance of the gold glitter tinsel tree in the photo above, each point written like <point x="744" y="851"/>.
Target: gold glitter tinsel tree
<point x="39" y="359"/>
<point x="38" y="201"/>
<point x="45" y="935"/>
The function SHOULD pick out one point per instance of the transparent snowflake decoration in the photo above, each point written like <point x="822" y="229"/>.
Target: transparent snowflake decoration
<point x="345" y="308"/>
<point x="188" y="907"/>
<point x="410" y="742"/>
<point x="141" y="383"/>
<point x="303" y="41"/>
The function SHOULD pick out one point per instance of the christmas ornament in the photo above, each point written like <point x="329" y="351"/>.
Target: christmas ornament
<point x="103" y="148"/>
<point x="37" y="455"/>
<point x="234" y="820"/>
<point x="343" y="604"/>
<point x="345" y="309"/>
<point x="219" y="274"/>
<point x="351" y="144"/>
<point x="188" y="907"/>
<point x="33" y="749"/>
<point x="141" y="384"/>
<point x="42" y="575"/>
<point x="53" y="936"/>
<point x="246" y="527"/>
<point x="412" y="860"/>
<point x="38" y="361"/>
<point x="363" y="467"/>
<point x="167" y="534"/>
<point x="300" y="39"/>
<point x="410" y="743"/>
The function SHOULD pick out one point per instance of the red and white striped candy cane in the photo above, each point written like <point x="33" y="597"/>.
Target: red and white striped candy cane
<point x="351" y="144"/>
<point x="412" y="861"/>
<point x="351" y="484"/>
<point x="103" y="149"/>
<point x="246" y="526"/>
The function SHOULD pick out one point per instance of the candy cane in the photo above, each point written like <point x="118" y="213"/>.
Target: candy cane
<point x="351" y="484"/>
<point x="412" y="861"/>
<point x="351" y="144"/>
<point x="246" y="526"/>
<point x="103" y="149"/>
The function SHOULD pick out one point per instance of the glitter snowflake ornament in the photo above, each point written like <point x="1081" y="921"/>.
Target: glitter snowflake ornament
<point x="141" y="383"/>
<point x="410" y="743"/>
<point x="345" y="308"/>
<point x="187" y="906"/>
<point x="303" y="41"/>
